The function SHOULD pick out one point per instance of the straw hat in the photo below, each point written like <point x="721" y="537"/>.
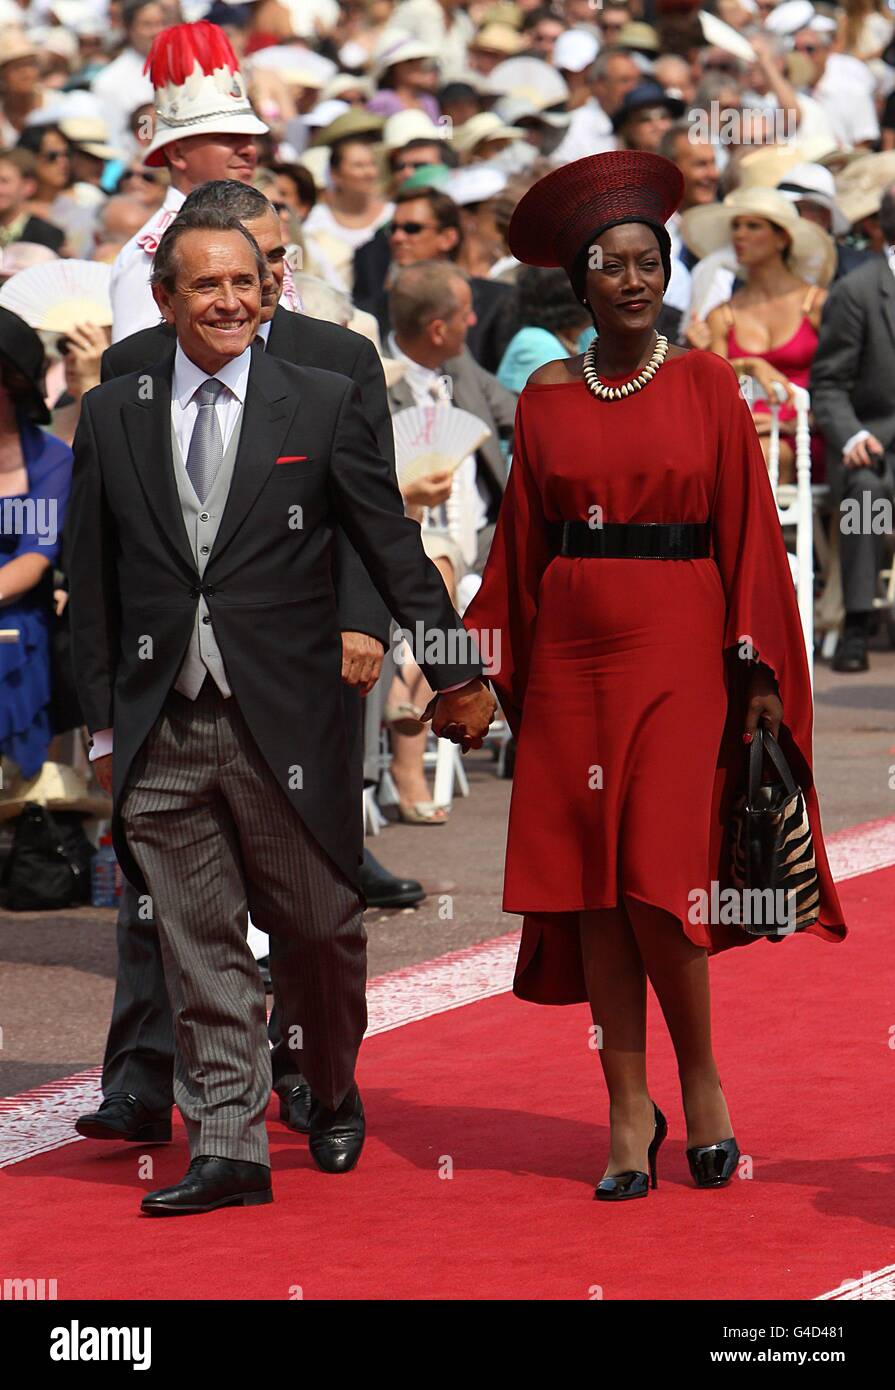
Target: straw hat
<point x="861" y="185"/>
<point x="14" y="44"/>
<point x="353" y="122"/>
<point x="199" y="89"/>
<point x="768" y="165"/>
<point x="498" y="38"/>
<point x="485" y="126"/>
<point x="58" y="787"/>
<point x="812" y="254"/>
<point x="91" y="136"/>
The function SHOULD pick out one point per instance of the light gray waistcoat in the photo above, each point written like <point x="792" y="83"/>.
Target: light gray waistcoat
<point x="201" y="520"/>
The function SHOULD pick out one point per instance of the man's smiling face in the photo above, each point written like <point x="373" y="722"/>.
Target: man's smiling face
<point x="215" y="302"/>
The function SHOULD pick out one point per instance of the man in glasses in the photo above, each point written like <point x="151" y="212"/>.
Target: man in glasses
<point x="426" y="226"/>
<point x="844" y="86"/>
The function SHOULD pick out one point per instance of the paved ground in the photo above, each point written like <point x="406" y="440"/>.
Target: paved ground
<point x="57" y="969"/>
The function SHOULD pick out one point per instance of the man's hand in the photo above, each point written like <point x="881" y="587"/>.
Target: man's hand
<point x="864" y="454"/>
<point x="430" y="491"/>
<point x="463" y="715"/>
<point x="102" y="767"/>
<point x="361" y="660"/>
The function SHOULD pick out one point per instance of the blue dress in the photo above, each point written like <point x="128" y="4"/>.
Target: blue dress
<point x="31" y="525"/>
<point x="529" y="349"/>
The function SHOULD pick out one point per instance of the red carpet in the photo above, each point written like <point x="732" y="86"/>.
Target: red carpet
<point x="510" y="1098"/>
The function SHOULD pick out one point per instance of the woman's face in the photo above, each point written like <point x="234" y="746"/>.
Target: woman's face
<point x="756" y="241"/>
<point x="625" y="282"/>
<point x="357" y="171"/>
<point x="53" y="162"/>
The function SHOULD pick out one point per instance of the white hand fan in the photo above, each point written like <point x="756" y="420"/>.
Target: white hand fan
<point x="434" y="439"/>
<point x="721" y="35"/>
<point x="56" y="297"/>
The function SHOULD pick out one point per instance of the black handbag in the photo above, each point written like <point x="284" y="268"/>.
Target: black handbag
<point x="48" y="867"/>
<point x="772" y="847"/>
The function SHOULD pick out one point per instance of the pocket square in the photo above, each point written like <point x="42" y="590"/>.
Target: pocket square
<point x="293" y="458"/>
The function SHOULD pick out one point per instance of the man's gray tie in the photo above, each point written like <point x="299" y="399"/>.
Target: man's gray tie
<point x="206" y="453"/>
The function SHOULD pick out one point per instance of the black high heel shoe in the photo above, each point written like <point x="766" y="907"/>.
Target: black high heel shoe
<point x="621" y="1187"/>
<point x="713" y="1165"/>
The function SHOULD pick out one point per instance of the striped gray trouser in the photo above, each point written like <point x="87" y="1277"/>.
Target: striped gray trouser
<point x="215" y="837"/>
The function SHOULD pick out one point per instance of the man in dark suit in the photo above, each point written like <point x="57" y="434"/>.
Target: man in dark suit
<point x="854" y="405"/>
<point x="426" y="227"/>
<point x="139" y="1058"/>
<point x="206" y="640"/>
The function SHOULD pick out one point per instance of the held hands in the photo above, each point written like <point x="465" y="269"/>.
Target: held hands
<point x="102" y="767"/>
<point x="463" y="715"/>
<point x="764" y="706"/>
<point x="361" y="660"/>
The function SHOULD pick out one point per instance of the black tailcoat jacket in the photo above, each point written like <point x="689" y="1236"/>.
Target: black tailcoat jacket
<point x="307" y="463"/>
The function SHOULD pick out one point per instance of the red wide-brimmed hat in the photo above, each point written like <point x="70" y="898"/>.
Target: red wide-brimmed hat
<point x="564" y="210"/>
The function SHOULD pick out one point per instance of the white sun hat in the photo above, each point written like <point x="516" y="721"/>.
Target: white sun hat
<point x="575" y="50"/>
<point x="397" y="46"/>
<point x="474" y="184"/>
<point x="814" y="184"/>
<point x="199" y="89"/>
<point x="529" y="77"/>
<point x="405" y="126"/>
<point x="812" y="253"/>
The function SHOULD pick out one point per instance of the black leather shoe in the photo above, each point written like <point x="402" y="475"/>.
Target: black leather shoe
<point x="123" y="1116"/>
<point x="622" y="1187"/>
<point x="713" y="1165"/>
<point x="337" y="1136"/>
<point x="383" y="889"/>
<point x="295" y="1108"/>
<point x="211" y="1183"/>
<point x="851" y="651"/>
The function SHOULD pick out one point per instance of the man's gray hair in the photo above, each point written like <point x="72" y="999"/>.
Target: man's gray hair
<point x="421" y="293"/>
<point x="241" y="200"/>
<point x="165" y="265"/>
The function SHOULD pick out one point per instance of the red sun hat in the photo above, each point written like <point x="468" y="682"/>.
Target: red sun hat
<point x="566" y="209"/>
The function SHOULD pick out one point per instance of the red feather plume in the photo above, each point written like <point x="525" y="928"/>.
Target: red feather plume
<point x="176" y="51"/>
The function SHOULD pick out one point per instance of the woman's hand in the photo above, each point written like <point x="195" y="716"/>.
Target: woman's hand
<point x="699" y="335"/>
<point x="86" y="345"/>
<point x="769" y="379"/>
<point x="764" y="704"/>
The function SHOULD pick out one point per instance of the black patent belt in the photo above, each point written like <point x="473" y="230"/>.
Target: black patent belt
<point x="678" y="540"/>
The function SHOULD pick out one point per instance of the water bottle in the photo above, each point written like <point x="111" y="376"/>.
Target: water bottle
<point x="105" y="875"/>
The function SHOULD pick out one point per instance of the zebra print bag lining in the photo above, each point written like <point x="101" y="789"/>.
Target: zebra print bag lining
<point x="772" y="850"/>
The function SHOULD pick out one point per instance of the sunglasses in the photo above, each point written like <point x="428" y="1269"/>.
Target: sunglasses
<point x="411" y="228"/>
<point x="141" y="174"/>
<point x="400" y="164"/>
<point x="51" y="156"/>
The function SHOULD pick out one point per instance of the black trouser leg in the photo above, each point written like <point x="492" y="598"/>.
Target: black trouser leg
<point x="140" y="1046"/>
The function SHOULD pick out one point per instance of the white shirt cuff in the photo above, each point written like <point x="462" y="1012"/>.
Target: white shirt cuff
<point x="855" y="439"/>
<point x="446" y="689"/>
<point x="102" y="744"/>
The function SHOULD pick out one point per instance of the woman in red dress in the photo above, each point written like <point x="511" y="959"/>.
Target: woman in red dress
<point x="631" y="682"/>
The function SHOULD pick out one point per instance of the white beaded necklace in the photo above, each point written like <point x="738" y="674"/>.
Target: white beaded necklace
<point x="616" y="393"/>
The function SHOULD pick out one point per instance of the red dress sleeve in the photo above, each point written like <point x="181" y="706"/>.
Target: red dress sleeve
<point x="504" y="610"/>
<point x="762" y="617"/>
